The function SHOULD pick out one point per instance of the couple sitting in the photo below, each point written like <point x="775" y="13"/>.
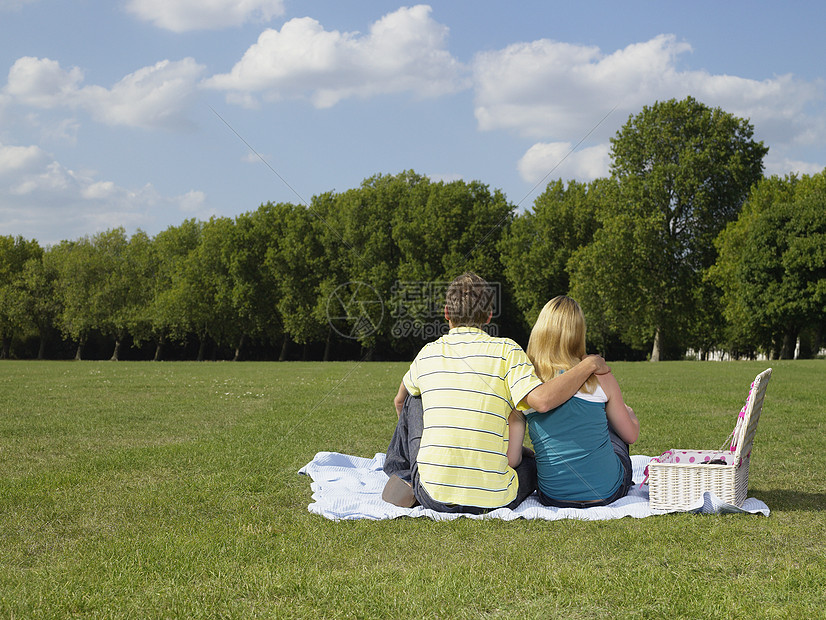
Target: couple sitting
<point x="458" y="447"/>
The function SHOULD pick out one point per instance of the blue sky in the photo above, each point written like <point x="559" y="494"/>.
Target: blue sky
<point x="128" y="112"/>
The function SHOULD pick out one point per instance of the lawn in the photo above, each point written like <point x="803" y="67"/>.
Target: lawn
<point x="170" y="490"/>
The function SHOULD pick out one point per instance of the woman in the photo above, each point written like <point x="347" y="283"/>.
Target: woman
<point x="582" y="455"/>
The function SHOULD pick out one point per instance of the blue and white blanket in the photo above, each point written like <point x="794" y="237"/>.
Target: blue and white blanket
<point x="349" y="487"/>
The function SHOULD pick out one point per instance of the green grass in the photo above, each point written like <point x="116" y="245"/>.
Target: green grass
<point x="155" y="490"/>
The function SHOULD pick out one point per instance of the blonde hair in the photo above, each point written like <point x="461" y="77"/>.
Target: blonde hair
<point x="557" y="341"/>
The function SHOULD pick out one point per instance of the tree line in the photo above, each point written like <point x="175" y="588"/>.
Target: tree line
<point x="686" y="245"/>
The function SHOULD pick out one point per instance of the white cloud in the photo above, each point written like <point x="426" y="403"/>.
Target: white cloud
<point x="185" y="15"/>
<point x="62" y="131"/>
<point x="18" y="159"/>
<point x="192" y="202"/>
<point x="559" y="92"/>
<point x="404" y="51"/>
<point x="41" y="82"/>
<point x="556" y="158"/>
<point x="151" y="97"/>
<point x="98" y="190"/>
<point x="40" y="198"/>
<point x="781" y="166"/>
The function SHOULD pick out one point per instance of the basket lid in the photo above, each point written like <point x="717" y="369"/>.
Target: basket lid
<point x="742" y="437"/>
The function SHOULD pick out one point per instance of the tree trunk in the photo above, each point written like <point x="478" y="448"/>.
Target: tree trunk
<point x="41" y="350"/>
<point x="655" y="350"/>
<point x="789" y="342"/>
<point x="202" y="348"/>
<point x="158" y="349"/>
<point x="284" y="346"/>
<point x="116" y="352"/>
<point x="79" y="352"/>
<point x="239" y="347"/>
<point x="327" y="346"/>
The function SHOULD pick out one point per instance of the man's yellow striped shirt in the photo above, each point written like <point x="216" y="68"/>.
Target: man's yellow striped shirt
<point x="469" y="382"/>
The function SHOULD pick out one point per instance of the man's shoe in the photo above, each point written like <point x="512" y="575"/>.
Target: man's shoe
<point x="399" y="492"/>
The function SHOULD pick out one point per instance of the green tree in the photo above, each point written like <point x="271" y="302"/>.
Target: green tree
<point x="14" y="253"/>
<point x="442" y="230"/>
<point x="117" y="293"/>
<point x="139" y="272"/>
<point x="40" y="301"/>
<point x="99" y="287"/>
<point x="743" y="334"/>
<point x="539" y="243"/>
<point x="335" y="256"/>
<point x="772" y="265"/>
<point x="168" y="311"/>
<point x="78" y="279"/>
<point x="684" y="171"/>
<point x="206" y="286"/>
<point x="361" y="257"/>
<point x="295" y="263"/>
<point x="255" y="288"/>
<point x="607" y="274"/>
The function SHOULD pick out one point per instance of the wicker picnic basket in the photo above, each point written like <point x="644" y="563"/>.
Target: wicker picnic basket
<point x="678" y="478"/>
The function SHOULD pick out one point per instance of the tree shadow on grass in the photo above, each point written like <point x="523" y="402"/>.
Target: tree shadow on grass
<point x="788" y="499"/>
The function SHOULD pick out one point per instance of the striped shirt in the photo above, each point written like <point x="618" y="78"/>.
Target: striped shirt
<point x="469" y="382"/>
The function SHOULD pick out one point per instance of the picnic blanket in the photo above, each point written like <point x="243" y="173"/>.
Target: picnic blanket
<point x="349" y="487"/>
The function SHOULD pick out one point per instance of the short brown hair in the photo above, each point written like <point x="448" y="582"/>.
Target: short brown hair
<point x="469" y="301"/>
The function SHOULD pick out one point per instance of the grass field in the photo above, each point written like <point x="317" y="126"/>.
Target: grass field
<point x="169" y="490"/>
